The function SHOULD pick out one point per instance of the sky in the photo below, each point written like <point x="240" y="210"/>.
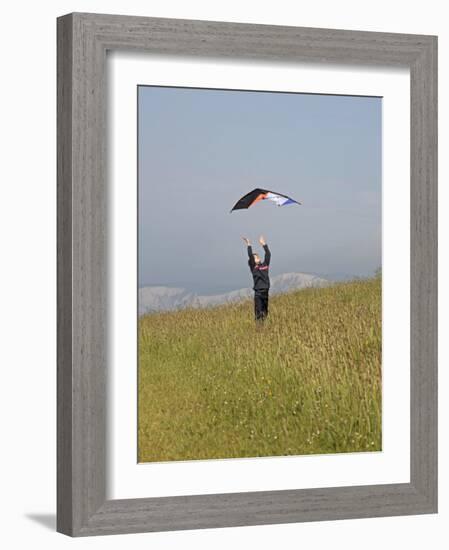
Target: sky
<point x="200" y="150"/>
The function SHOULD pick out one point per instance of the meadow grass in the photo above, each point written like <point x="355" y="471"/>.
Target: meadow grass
<point x="214" y="385"/>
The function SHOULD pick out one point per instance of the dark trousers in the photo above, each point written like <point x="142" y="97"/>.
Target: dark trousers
<point x="260" y="304"/>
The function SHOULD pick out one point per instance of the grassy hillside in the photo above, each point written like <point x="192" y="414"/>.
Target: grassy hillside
<point x="213" y="385"/>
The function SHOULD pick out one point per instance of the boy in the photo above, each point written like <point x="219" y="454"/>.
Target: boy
<point x="261" y="278"/>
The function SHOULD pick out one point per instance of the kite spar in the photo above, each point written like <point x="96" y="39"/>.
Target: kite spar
<point x="260" y="195"/>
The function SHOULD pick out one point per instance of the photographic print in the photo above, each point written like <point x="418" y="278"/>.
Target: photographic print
<point x="259" y="274"/>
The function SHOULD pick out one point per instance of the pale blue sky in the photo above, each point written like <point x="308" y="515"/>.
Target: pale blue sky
<point x="201" y="150"/>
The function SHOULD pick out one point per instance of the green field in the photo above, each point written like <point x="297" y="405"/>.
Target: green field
<point x="214" y="385"/>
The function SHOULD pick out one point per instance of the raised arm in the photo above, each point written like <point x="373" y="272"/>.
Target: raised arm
<point x="251" y="262"/>
<point x="267" y="250"/>
<point x="267" y="254"/>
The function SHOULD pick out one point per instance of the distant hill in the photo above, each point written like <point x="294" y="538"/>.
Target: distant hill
<point x="163" y="298"/>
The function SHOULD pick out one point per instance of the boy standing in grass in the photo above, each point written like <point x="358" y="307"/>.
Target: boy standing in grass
<point x="261" y="278"/>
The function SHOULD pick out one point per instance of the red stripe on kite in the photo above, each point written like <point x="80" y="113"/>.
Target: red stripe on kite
<point x="259" y="198"/>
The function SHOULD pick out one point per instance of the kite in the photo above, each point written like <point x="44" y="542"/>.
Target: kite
<point x="261" y="195"/>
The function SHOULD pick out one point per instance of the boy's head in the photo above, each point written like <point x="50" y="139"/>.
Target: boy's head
<point x="256" y="258"/>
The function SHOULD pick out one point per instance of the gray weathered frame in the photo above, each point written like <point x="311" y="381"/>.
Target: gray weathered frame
<point x="83" y="40"/>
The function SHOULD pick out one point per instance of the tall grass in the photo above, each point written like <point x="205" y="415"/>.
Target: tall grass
<point x="214" y="385"/>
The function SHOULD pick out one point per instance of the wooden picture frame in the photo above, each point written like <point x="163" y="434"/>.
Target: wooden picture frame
<point x="83" y="40"/>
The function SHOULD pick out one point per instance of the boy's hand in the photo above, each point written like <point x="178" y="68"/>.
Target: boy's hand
<point x="246" y="241"/>
<point x="262" y="240"/>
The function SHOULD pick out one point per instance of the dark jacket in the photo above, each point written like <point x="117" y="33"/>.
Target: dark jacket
<point x="260" y="272"/>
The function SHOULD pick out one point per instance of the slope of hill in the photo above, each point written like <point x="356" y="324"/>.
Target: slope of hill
<point x="161" y="298"/>
<point x="214" y="385"/>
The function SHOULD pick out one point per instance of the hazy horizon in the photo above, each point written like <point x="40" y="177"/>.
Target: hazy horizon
<point x="201" y="150"/>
